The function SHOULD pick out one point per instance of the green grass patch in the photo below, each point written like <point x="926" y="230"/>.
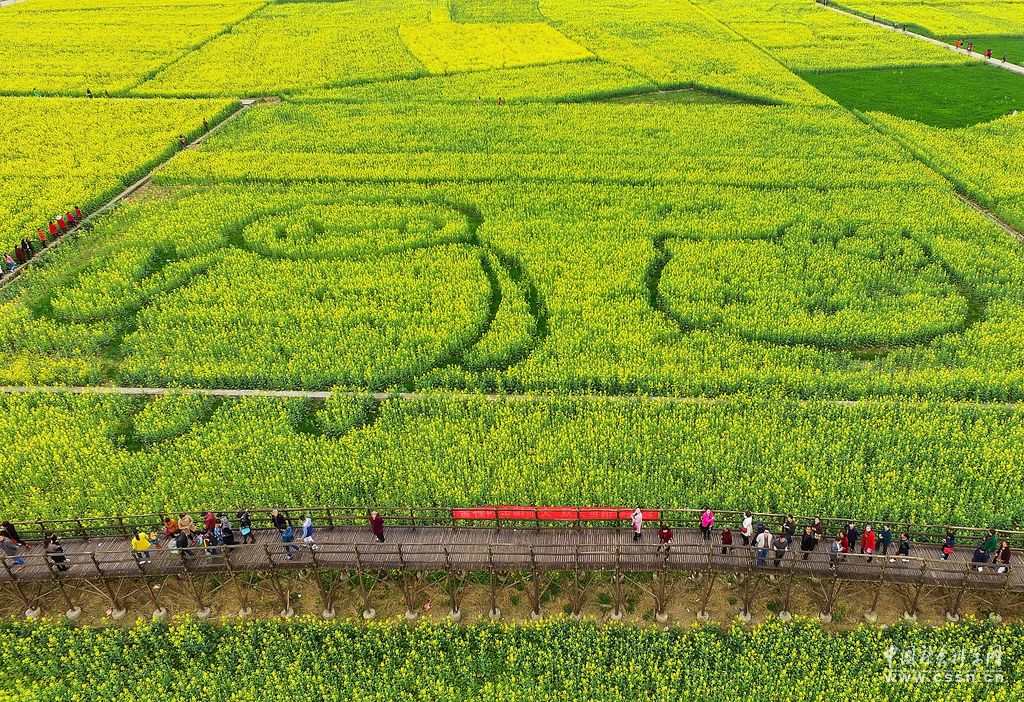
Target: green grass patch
<point x="1012" y="46"/>
<point x="688" y="96"/>
<point x="940" y="96"/>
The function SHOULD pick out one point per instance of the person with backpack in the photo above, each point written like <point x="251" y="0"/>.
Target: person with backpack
<point x="245" y="526"/>
<point x="140" y="547"/>
<point x="182" y="544"/>
<point x="747" y="528"/>
<point x="980" y="557"/>
<point x="835" y="550"/>
<point x="11" y="532"/>
<point x="707" y="523"/>
<point x="808" y="542"/>
<point x="288" y="539"/>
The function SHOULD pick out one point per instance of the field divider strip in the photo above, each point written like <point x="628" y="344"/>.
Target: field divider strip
<point x="415" y="396"/>
<point x="1012" y="67"/>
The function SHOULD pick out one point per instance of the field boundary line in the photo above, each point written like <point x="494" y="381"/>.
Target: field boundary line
<point x="420" y="395"/>
<point x="1012" y="67"/>
<point x="242" y="106"/>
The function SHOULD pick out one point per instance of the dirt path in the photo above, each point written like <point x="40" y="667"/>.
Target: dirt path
<point x="994" y="61"/>
<point x="243" y="106"/>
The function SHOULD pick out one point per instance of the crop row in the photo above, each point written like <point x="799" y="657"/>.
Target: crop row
<point x="876" y="460"/>
<point x="552" y="660"/>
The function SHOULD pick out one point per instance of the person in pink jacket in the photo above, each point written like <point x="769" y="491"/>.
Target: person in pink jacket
<point x="707" y="522"/>
<point x="637" y="521"/>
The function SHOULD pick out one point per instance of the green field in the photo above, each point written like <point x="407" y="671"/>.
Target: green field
<point x="939" y="96"/>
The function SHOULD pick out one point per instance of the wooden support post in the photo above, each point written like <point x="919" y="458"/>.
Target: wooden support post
<point x="702" y="613"/>
<point x="408" y="592"/>
<point x="326" y="592"/>
<point x="787" y="591"/>
<point x="282" y="595"/>
<point x="73" y="611"/>
<point x="661" y="589"/>
<point x="953" y="613"/>
<point x="364" y="593"/>
<point x="243" y="596"/>
<point x="202" y="611"/>
<point x="116" y="609"/>
<point x="31" y="610"/>
<point x="872" y="614"/>
<point x="911" y="614"/>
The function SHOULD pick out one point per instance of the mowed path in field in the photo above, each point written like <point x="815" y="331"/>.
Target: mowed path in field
<point x="994" y="61"/>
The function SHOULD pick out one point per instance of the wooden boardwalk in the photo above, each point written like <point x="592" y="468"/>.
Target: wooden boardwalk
<point x="486" y="549"/>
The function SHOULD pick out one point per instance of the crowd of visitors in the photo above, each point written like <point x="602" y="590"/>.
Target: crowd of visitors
<point x="870" y="543"/>
<point x="27" y="249"/>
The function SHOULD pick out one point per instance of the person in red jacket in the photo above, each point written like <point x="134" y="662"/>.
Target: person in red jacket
<point x="664" y="537"/>
<point x="53" y="229"/>
<point x="42" y="236"/>
<point x="70" y="220"/>
<point x="377" y="525"/>
<point x="19" y="255"/>
<point x="78" y="214"/>
<point x="61" y="224"/>
<point x="988" y="53"/>
<point x="726" y="535"/>
<point x="867" y="542"/>
<point x="844" y="546"/>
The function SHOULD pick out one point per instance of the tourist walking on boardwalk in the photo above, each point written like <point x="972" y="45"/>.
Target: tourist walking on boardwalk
<point x="10" y="549"/>
<point x="279" y="521"/>
<point x="9" y="530"/>
<point x="140" y="547"/>
<point x="980" y="556"/>
<point x="209" y="521"/>
<point x="377" y="525"/>
<point x="1003" y="557"/>
<point x="867" y="544"/>
<point x="664" y="537"/>
<point x="307" y="533"/>
<point x="885" y="539"/>
<point x="991" y="543"/>
<point x="852" y="536"/>
<point x="707" y="523"/>
<point x="904" y="549"/>
<point x="844" y="545"/>
<point x="227" y="537"/>
<point x="789" y="530"/>
<point x="637" y="521"/>
<point x="288" y="539"/>
<point x="55" y="551"/>
<point x="245" y="526"/>
<point x="726" y="540"/>
<point x="763" y="542"/>
<point x="818" y="527"/>
<point x="225" y="523"/>
<point x="11" y="265"/>
<point x="808" y="542"/>
<point x="747" y="528"/>
<point x="781" y="546"/>
<point x="186" y="525"/>
<point x="170" y="529"/>
<point x="835" y="550"/>
<point x="181" y="544"/>
<point x="948" y="544"/>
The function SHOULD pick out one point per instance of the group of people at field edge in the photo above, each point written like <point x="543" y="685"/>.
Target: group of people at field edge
<point x="773" y="547"/>
<point x="55" y="229"/>
<point x="970" y="49"/>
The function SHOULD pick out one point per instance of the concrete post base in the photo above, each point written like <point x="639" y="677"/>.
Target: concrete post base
<point x="455" y="615"/>
<point x="871" y="616"/>
<point x="617" y="616"/>
<point x="785" y="616"/>
<point x="33" y="613"/>
<point x="952" y="617"/>
<point x="410" y="615"/>
<point x="204" y="613"/>
<point x="825" y="617"/>
<point x="912" y="618"/>
<point x="245" y="612"/>
<point x="118" y="614"/>
<point x="745" y="616"/>
<point x="369" y="613"/>
<point x="73" y="614"/>
<point x="328" y="614"/>
<point x="494" y="613"/>
<point x="703" y="616"/>
<point x="661" y="617"/>
<point x="160" y="613"/>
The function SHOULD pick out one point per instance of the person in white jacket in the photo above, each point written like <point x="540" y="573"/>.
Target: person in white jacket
<point x="637" y="520"/>
<point x="747" y="528"/>
<point x="763" y="542"/>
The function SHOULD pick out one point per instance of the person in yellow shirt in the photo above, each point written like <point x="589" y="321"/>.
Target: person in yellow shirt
<point x="140" y="547"/>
